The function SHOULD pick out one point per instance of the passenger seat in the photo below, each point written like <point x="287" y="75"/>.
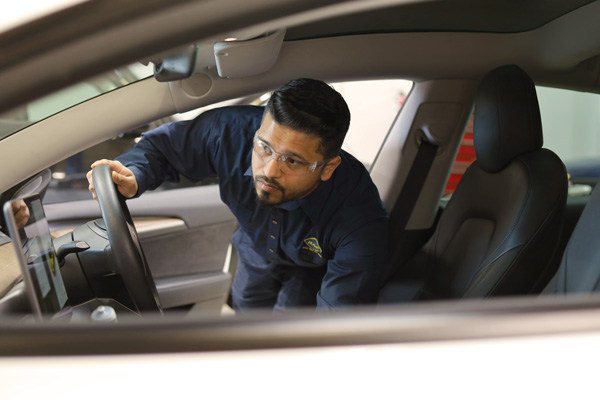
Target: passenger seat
<point x="499" y="232"/>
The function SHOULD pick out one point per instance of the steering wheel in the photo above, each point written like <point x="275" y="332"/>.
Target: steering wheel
<point x="122" y="236"/>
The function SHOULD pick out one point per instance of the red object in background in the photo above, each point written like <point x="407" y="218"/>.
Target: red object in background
<point x="464" y="158"/>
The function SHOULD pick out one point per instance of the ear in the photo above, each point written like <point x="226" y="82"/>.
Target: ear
<point x="328" y="169"/>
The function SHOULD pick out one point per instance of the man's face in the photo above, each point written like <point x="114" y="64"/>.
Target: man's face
<point x="272" y="185"/>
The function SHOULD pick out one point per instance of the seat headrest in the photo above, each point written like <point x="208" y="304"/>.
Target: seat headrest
<point x="507" y="118"/>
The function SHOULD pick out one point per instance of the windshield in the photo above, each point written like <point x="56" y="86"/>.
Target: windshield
<point x="35" y="111"/>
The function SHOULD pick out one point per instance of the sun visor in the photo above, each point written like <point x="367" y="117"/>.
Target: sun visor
<point x="242" y="58"/>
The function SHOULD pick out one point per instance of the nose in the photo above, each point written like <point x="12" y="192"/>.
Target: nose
<point x="271" y="168"/>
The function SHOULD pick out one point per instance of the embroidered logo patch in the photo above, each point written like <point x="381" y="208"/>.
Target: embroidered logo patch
<point x="312" y="244"/>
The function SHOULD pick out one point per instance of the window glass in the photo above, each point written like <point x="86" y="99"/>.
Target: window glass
<point x="464" y="158"/>
<point x="59" y="101"/>
<point x="21" y="117"/>
<point x="373" y="107"/>
<point x="571" y="124"/>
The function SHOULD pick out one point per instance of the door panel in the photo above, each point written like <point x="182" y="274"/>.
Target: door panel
<point x="185" y="235"/>
<point x="193" y="251"/>
<point x="206" y="290"/>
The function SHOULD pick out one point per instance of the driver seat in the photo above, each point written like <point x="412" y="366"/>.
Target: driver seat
<point x="499" y="232"/>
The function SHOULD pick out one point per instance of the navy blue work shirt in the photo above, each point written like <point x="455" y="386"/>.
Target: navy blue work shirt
<point x="342" y="224"/>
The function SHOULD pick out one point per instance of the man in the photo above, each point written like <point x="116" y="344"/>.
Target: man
<point x="313" y="230"/>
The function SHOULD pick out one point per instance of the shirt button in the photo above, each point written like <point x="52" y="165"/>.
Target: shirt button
<point x="272" y="236"/>
<point x="274" y="222"/>
<point x="272" y="251"/>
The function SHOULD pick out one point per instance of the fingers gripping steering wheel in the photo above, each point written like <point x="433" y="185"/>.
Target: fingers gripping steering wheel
<point x="122" y="236"/>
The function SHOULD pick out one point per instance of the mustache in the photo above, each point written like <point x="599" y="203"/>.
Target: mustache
<point x="269" y="181"/>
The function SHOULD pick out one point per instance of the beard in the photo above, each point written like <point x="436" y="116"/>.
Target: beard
<point x="265" y="199"/>
<point x="270" y="199"/>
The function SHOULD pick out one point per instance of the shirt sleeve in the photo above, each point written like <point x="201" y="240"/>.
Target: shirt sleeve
<point x="185" y="148"/>
<point x="353" y="275"/>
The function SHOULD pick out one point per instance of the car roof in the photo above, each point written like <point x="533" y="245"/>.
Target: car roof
<point x="490" y="16"/>
<point x="545" y="37"/>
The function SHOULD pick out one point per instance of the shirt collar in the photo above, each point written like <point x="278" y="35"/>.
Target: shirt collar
<point x="314" y="204"/>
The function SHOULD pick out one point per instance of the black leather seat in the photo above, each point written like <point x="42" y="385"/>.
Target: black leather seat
<point x="498" y="234"/>
<point x="579" y="271"/>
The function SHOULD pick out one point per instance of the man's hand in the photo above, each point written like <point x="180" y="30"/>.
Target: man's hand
<point x="122" y="176"/>
<point x="21" y="213"/>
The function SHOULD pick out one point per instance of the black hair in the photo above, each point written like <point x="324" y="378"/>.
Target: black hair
<point x="313" y="108"/>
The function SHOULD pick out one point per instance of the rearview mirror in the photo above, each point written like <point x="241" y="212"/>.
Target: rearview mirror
<point x="178" y="67"/>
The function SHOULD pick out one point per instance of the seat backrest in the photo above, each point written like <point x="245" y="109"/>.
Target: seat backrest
<point x="579" y="270"/>
<point x="498" y="233"/>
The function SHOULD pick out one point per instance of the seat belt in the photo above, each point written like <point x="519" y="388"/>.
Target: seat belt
<point x="407" y="199"/>
<point x="413" y="185"/>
